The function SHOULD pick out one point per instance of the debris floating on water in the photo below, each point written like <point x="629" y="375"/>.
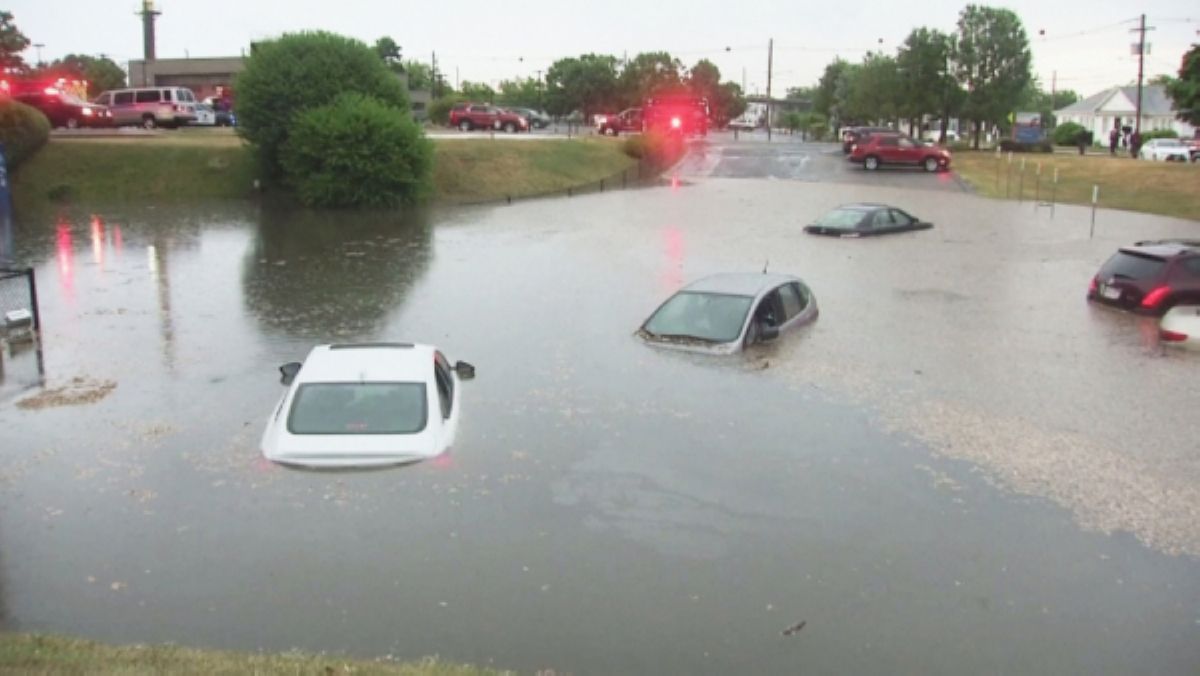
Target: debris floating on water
<point x="794" y="629"/>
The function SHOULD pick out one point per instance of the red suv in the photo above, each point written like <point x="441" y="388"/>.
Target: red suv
<point x="880" y="149"/>
<point x="468" y="116"/>
<point x="1150" y="277"/>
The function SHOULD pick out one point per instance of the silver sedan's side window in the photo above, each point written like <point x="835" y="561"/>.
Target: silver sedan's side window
<point x="901" y="218"/>
<point x="793" y="304"/>
<point x="883" y="218"/>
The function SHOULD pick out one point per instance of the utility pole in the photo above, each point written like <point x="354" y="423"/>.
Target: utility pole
<point x="1141" y="52"/>
<point x="38" y="46"/>
<point x="770" y="60"/>
<point x="539" y="88"/>
<point x="433" y="81"/>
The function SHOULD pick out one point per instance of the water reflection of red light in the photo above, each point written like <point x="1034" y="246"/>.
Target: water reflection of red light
<point x="674" y="182"/>
<point x="118" y="241"/>
<point x="443" y="461"/>
<point x="65" y="251"/>
<point x="98" y="241"/>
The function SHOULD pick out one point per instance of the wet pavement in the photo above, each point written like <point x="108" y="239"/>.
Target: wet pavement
<point x="959" y="468"/>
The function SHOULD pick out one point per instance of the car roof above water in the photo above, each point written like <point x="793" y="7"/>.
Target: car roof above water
<point x="368" y="362"/>
<point x="739" y="283"/>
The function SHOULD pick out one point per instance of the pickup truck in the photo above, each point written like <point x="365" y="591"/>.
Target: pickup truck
<point x="470" y="116"/>
<point x="626" y="121"/>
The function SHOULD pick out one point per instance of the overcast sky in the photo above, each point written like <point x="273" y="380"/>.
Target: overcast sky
<point x="1086" y="42"/>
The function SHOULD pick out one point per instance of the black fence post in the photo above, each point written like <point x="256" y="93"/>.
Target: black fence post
<point x="601" y="185"/>
<point x="33" y="300"/>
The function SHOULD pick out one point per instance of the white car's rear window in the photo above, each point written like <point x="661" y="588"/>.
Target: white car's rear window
<point x="358" y="408"/>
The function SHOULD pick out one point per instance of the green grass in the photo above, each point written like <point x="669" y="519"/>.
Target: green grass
<point x="36" y="654"/>
<point x="480" y="170"/>
<point x="186" y="165"/>
<point x="1165" y="188"/>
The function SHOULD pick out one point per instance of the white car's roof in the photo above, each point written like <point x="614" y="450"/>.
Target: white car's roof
<point x="368" y="362"/>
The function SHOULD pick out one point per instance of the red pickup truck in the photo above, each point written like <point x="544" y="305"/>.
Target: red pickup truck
<point x="626" y="121"/>
<point x="469" y="116"/>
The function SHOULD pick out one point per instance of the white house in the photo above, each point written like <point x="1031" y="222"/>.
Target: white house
<point x="1116" y="107"/>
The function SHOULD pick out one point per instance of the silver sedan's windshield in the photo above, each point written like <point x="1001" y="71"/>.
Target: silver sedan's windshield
<point x="712" y="317"/>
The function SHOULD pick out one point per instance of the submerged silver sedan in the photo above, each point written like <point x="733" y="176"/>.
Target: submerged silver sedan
<point x="725" y="313"/>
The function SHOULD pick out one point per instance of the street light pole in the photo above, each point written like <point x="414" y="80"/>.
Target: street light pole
<point x="38" y="46"/>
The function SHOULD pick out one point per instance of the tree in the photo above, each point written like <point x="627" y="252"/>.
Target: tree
<point x="650" y="74"/>
<point x="587" y="84"/>
<point x="288" y="75"/>
<point x="725" y="100"/>
<point x="477" y="92"/>
<point x="991" y="59"/>
<point x="387" y="49"/>
<point x="101" y="73"/>
<point x="875" y="94"/>
<point x="808" y="94"/>
<point x="12" y="43"/>
<point x="923" y="62"/>
<point x="825" y="94"/>
<point x="1185" y="89"/>
<point x="1035" y="99"/>
<point x="525" y="93"/>
<point x="420" y="75"/>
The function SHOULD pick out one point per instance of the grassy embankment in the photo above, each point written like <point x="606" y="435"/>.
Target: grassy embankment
<point x="1165" y="188"/>
<point x="197" y="164"/>
<point x="32" y="654"/>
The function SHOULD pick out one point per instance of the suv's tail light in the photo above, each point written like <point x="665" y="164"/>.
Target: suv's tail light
<point x="1092" y="285"/>
<point x="1155" y="297"/>
<point x="1172" y="336"/>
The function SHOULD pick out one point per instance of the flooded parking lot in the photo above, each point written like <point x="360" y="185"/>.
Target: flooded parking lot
<point x="960" y="467"/>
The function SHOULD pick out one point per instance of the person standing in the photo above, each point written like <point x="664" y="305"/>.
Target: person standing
<point x="1114" y="137"/>
<point x="1135" y="144"/>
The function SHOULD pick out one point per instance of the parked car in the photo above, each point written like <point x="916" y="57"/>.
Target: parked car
<point x="881" y="149"/>
<point x="934" y="135"/>
<point x="151" y="107"/>
<point x="1150" y="277"/>
<point x="627" y="120"/>
<point x="534" y="118"/>
<point x="865" y="220"/>
<point x="222" y="112"/>
<point x="64" y="109"/>
<point x="1164" y="149"/>
<point x="1180" y="327"/>
<point x="470" y="116"/>
<point x="853" y="135"/>
<point x="366" y="405"/>
<point x="725" y="313"/>
<point x="205" y="116"/>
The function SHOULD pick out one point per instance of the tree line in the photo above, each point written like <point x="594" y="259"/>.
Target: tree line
<point x="594" y="83"/>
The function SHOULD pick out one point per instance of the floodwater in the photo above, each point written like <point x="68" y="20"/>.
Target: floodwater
<point x="959" y="468"/>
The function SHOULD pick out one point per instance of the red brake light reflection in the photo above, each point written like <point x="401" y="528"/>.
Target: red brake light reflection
<point x="1155" y="297"/>
<point x="1172" y="336"/>
<point x="1092" y="285"/>
<point x="676" y="122"/>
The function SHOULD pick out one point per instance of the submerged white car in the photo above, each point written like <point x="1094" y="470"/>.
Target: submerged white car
<point x="365" y="405"/>
<point x="1180" y="326"/>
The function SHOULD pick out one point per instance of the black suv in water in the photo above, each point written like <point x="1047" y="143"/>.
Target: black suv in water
<point x="1150" y="277"/>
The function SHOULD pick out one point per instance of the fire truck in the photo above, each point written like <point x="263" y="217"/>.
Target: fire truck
<point x="681" y="115"/>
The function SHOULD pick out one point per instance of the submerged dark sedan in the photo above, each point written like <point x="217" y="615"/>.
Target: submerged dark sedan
<point x="865" y="220"/>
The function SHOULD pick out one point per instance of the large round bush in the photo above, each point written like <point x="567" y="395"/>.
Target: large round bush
<point x="299" y="71"/>
<point x="23" y="129"/>
<point x="357" y="151"/>
<point x="1067" y="134"/>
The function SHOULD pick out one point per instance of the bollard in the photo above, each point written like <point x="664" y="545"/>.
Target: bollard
<point x="1021" y="183"/>
<point x="601" y="185"/>
<point x="624" y="179"/>
<point x="1037" y="190"/>
<point x="998" y="163"/>
<point x="569" y="192"/>
<point x="1095" y="198"/>
<point x="1008" y="177"/>
<point x="1053" y="193"/>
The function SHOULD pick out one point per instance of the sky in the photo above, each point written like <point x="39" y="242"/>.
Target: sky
<point x="1078" y="45"/>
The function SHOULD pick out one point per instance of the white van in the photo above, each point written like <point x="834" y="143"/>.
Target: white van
<point x="150" y="107"/>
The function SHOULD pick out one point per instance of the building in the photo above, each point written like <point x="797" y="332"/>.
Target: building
<point x="208" y="76"/>
<point x="202" y="76"/>
<point x="1117" y="107"/>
